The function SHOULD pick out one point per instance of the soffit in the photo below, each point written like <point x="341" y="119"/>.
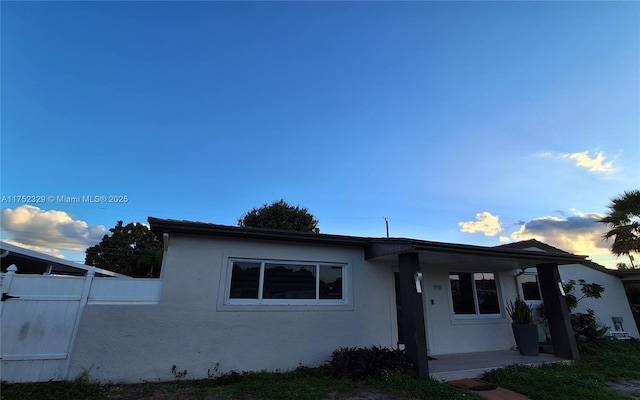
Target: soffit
<point x="464" y="256"/>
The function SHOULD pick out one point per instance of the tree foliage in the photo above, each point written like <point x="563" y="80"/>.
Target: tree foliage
<point x="280" y="215"/>
<point x="585" y="325"/>
<point x="624" y="221"/>
<point x="130" y="250"/>
<point x="589" y="291"/>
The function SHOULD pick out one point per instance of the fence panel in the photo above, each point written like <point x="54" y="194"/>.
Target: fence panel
<point x="39" y="315"/>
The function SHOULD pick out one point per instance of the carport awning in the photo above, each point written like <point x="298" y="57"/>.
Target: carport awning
<point x="33" y="262"/>
<point x="465" y="256"/>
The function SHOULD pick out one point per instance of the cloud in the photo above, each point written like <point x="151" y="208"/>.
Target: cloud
<point x="594" y="161"/>
<point x="595" y="164"/>
<point x="486" y="223"/>
<point x="40" y="249"/>
<point x="580" y="233"/>
<point x="38" y="229"/>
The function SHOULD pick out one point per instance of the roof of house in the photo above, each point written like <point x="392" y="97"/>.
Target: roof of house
<point x="375" y="248"/>
<point x="533" y="243"/>
<point x="627" y="274"/>
<point x="33" y="262"/>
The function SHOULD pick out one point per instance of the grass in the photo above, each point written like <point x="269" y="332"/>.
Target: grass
<point x="614" y="360"/>
<point x="586" y="379"/>
<point x="301" y="384"/>
<point x="582" y="380"/>
<point x="316" y="383"/>
<point x="78" y="389"/>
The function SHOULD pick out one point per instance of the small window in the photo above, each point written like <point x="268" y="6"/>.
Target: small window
<point x="245" y="282"/>
<point x="270" y="282"/>
<point x="474" y="293"/>
<point x="530" y="287"/>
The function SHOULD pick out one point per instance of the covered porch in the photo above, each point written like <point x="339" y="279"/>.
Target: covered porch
<point x="446" y="367"/>
<point x="414" y="259"/>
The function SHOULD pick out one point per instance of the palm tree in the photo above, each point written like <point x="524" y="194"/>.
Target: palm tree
<point x="624" y="220"/>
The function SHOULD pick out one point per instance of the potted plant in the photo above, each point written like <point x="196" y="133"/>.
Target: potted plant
<point x="524" y="330"/>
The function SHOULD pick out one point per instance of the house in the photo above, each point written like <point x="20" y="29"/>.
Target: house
<point x="611" y="309"/>
<point x="631" y="280"/>
<point x="43" y="299"/>
<point x="256" y="299"/>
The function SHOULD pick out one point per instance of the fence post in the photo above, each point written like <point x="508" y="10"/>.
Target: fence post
<point x="86" y="291"/>
<point x="5" y="283"/>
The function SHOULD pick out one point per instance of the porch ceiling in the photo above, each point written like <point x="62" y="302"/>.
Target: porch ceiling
<point x="464" y="256"/>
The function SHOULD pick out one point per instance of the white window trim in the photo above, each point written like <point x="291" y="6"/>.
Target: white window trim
<point x="477" y="315"/>
<point x="285" y="302"/>
<point x="521" y="292"/>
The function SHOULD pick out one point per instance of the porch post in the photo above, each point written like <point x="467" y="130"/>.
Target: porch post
<point x="555" y="306"/>
<point x="415" y="339"/>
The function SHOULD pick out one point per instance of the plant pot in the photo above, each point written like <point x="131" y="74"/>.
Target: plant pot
<point x="526" y="336"/>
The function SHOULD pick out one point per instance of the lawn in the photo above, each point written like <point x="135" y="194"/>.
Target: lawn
<point x="609" y="361"/>
<point x="301" y="384"/>
<point x="583" y="380"/>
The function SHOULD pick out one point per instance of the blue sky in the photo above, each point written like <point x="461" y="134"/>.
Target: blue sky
<point x="465" y="122"/>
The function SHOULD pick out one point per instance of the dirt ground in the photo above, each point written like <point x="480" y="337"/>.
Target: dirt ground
<point x="171" y="391"/>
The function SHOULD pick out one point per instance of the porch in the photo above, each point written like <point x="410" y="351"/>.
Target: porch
<point x="412" y="257"/>
<point x="446" y="367"/>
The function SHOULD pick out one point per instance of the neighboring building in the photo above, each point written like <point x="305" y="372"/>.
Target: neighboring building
<point x="257" y="299"/>
<point x="33" y="262"/>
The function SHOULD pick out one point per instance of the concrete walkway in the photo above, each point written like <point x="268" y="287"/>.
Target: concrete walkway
<point x="486" y="389"/>
<point x="501" y="394"/>
<point x="447" y="367"/>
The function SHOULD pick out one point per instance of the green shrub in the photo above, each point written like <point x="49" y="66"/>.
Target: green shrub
<point x="586" y="327"/>
<point x="361" y="362"/>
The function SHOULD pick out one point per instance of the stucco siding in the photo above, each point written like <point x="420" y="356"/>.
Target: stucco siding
<point x="448" y="334"/>
<point x="193" y="329"/>
<point x="613" y="302"/>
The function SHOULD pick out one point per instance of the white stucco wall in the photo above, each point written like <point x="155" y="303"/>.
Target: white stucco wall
<point x="192" y="329"/>
<point x="448" y="334"/>
<point x="613" y="302"/>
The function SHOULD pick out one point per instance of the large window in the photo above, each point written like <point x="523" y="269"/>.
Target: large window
<point x="271" y="282"/>
<point x="474" y="293"/>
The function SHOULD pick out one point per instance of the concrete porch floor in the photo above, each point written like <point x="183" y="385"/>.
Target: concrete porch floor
<point x="448" y="367"/>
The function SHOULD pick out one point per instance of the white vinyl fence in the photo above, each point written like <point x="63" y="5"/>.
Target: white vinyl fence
<point x="40" y="316"/>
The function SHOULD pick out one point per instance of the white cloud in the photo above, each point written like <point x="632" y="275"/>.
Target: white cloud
<point x="596" y="163"/>
<point x="38" y="229"/>
<point x="40" y="249"/>
<point x="486" y="223"/>
<point x="579" y="234"/>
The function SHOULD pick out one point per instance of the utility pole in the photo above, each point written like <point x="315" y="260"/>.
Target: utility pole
<point x="386" y="222"/>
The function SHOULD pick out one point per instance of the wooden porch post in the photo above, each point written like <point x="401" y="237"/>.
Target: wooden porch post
<point x="415" y="339"/>
<point x="555" y="306"/>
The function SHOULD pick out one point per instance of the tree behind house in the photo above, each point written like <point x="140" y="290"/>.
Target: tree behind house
<point x="280" y="215"/>
<point x="624" y="221"/>
<point x="130" y="250"/>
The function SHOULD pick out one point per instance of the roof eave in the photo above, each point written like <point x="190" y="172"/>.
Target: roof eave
<point x="160" y="226"/>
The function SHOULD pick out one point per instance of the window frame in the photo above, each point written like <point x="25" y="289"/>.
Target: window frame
<point x="534" y="302"/>
<point x="261" y="301"/>
<point x="477" y="314"/>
